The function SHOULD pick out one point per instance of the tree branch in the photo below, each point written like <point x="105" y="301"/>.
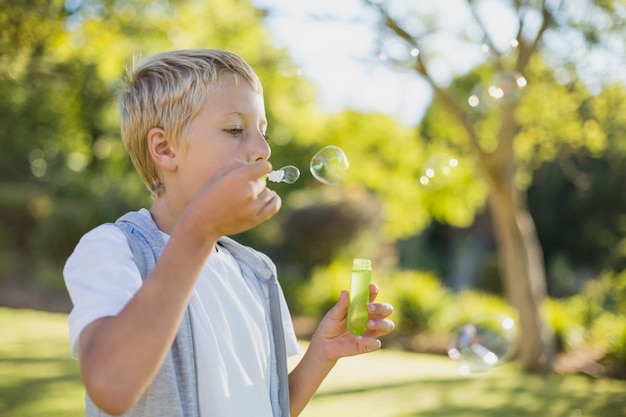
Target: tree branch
<point x="486" y="38"/>
<point x="527" y="52"/>
<point x="421" y="68"/>
<point x="503" y="154"/>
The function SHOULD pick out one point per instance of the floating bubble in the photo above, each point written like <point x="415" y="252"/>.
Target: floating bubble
<point x="287" y="174"/>
<point x="479" y="100"/>
<point x="497" y="53"/>
<point x="439" y="170"/>
<point x="505" y="86"/>
<point x="400" y="54"/>
<point x="287" y="68"/>
<point x="329" y="165"/>
<point x="489" y="50"/>
<point x="487" y="341"/>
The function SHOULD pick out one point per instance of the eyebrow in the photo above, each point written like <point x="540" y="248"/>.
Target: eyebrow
<point x="241" y="115"/>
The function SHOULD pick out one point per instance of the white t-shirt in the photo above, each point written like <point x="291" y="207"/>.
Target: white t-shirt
<point x="231" y="337"/>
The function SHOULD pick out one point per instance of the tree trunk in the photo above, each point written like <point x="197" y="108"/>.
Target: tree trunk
<point x="524" y="275"/>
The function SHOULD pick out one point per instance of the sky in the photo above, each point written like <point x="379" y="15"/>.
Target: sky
<point x="338" y="55"/>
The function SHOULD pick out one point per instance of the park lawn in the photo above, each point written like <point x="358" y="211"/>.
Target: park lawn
<point x="37" y="375"/>
<point x="38" y="378"/>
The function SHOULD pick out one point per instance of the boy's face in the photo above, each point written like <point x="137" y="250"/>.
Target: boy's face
<point x="230" y="126"/>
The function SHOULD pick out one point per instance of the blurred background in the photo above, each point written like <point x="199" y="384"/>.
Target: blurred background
<point x="486" y="141"/>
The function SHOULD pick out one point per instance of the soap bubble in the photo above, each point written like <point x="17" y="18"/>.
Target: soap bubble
<point x="479" y="100"/>
<point x="494" y="53"/>
<point x="287" y="68"/>
<point x="287" y="174"/>
<point x="400" y="54"/>
<point x="505" y="86"/>
<point x="329" y="165"/>
<point x="486" y="341"/>
<point x="438" y="171"/>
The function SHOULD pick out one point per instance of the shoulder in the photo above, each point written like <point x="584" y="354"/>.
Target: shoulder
<point x="105" y="235"/>
<point x="103" y="243"/>
<point x="239" y="250"/>
<point x="100" y="276"/>
<point x="106" y="231"/>
<point x="101" y="260"/>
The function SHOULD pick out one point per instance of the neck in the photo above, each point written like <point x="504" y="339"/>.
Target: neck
<point x="164" y="215"/>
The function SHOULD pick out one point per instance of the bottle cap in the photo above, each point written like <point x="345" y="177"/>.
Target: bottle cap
<point x="361" y="264"/>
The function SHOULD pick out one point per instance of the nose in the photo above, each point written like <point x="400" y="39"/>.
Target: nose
<point x="260" y="148"/>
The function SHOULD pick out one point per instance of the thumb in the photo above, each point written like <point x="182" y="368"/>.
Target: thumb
<point x="340" y="310"/>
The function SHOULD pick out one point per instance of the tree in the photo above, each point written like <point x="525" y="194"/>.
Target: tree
<point x="512" y="137"/>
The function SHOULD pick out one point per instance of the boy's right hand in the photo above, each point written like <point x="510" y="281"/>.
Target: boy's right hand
<point x="234" y="200"/>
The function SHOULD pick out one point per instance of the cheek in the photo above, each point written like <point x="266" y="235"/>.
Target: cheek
<point x="204" y="169"/>
<point x="203" y="161"/>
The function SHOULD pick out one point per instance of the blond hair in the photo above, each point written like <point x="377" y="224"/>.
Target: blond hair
<point x="167" y="91"/>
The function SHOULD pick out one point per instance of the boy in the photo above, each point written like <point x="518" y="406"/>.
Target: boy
<point x="171" y="317"/>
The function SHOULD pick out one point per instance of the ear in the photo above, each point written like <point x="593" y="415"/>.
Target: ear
<point x="161" y="150"/>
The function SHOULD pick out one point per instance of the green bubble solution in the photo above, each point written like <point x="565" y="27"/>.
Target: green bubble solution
<point x="359" y="295"/>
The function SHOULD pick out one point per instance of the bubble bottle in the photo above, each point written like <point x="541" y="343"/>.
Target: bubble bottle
<point x="359" y="295"/>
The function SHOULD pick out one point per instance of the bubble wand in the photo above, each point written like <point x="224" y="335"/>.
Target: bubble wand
<point x="287" y="174"/>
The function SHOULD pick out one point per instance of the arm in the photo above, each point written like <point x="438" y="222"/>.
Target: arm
<point x="120" y="355"/>
<point x="332" y="341"/>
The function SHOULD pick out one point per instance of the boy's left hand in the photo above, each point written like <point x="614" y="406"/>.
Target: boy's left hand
<point x="338" y="342"/>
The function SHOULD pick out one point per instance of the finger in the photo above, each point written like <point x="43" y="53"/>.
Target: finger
<point x="259" y="168"/>
<point x="377" y="328"/>
<point x="253" y="171"/>
<point x="264" y="196"/>
<point x="241" y="167"/>
<point x="367" y="344"/>
<point x="270" y="203"/>
<point x="340" y="310"/>
<point x="379" y="310"/>
<point x="373" y="292"/>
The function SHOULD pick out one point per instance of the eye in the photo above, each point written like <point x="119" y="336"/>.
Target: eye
<point x="236" y="131"/>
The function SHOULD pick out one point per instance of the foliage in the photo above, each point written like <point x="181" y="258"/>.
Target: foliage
<point x="325" y="226"/>
<point x="322" y="291"/>
<point x="594" y="203"/>
<point x="607" y="303"/>
<point x="594" y="318"/>
<point x="64" y="169"/>
<point x="425" y="309"/>
<point x="607" y="293"/>
<point x="422" y="304"/>
<point x="417" y="299"/>
<point x="616" y="352"/>
<point x="565" y="319"/>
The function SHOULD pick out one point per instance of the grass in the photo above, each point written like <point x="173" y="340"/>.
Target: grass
<point x="38" y="378"/>
<point x="37" y="375"/>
